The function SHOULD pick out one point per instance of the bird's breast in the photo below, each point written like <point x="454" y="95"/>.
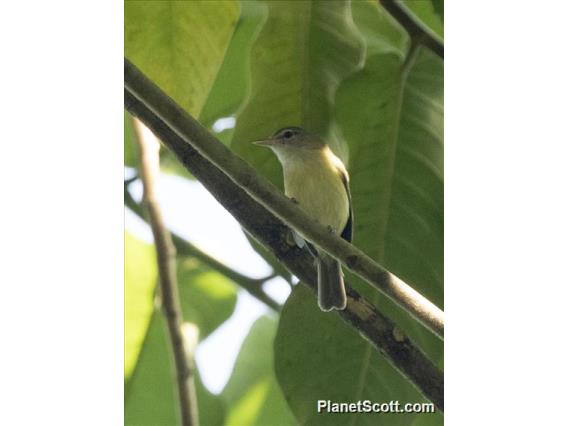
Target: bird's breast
<point x="317" y="185"/>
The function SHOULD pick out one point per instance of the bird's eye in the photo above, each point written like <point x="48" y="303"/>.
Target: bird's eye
<point x="288" y="134"/>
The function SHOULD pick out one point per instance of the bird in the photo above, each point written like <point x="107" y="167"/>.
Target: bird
<point x="317" y="180"/>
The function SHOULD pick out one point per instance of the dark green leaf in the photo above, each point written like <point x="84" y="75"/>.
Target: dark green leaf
<point x="319" y="357"/>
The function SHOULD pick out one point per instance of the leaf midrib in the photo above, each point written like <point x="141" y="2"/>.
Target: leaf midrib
<point x="394" y="141"/>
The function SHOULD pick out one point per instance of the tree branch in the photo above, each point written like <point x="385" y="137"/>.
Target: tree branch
<point x="276" y="202"/>
<point x="416" y="30"/>
<point x="166" y="254"/>
<point x="251" y="285"/>
<point x="271" y="232"/>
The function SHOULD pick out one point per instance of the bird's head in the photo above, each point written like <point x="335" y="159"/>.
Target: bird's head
<point x="291" y="138"/>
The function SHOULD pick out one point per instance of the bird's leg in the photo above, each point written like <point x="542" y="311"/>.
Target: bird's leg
<point x="294" y="238"/>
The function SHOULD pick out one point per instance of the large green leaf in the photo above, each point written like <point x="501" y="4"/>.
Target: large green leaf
<point x="319" y="357"/>
<point x="391" y="116"/>
<point x="180" y="45"/>
<point x="252" y="391"/>
<point x="151" y="396"/>
<point x="140" y="277"/>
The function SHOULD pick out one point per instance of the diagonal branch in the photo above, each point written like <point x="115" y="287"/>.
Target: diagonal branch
<point x="271" y="198"/>
<point x="417" y="32"/>
<point x="251" y="285"/>
<point x="271" y="232"/>
<point x="166" y="254"/>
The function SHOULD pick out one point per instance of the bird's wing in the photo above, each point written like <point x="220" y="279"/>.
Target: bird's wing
<point x="347" y="233"/>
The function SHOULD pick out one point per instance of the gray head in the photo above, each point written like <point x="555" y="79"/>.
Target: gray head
<point x="292" y="137"/>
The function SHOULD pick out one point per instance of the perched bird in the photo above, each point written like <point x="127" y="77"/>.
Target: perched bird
<point x="317" y="180"/>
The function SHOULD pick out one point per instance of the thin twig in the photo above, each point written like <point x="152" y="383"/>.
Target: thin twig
<point x="272" y="233"/>
<point x="252" y="285"/>
<point x="265" y="193"/>
<point x="166" y="254"/>
<point x="416" y="30"/>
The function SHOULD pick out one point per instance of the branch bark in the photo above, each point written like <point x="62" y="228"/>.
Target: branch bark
<point x="251" y="285"/>
<point x="416" y="30"/>
<point x="166" y="255"/>
<point x="271" y="232"/>
<point x="270" y="197"/>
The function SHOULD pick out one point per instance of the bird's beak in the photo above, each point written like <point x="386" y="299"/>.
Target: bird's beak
<point x="267" y="142"/>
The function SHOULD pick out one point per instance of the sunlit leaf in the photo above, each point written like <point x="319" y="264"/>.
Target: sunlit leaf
<point x="180" y="45"/>
<point x="208" y="298"/>
<point x="252" y="391"/>
<point x="151" y="396"/>
<point x="140" y="277"/>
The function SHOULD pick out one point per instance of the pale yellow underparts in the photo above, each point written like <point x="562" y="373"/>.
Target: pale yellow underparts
<point x="313" y="176"/>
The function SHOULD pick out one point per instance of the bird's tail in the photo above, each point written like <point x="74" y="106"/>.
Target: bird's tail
<point x="331" y="289"/>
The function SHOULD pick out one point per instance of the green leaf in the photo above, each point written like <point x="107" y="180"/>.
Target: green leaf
<point x="232" y="84"/>
<point x="301" y="55"/>
<point x="180" y="45"/>
<point x="208" y="298"/>
<point x="319" y="357"/>
<point x="140" y="277"/>
<point x="252" y="391"/>
<point x="430" y="13"/>
<point x="151" y="396"/>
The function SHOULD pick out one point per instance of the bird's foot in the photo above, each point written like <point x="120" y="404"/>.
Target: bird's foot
<point x="293" y="239"/>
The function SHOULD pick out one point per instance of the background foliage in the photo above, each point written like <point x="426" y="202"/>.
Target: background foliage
<point x="342" y="69"/>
